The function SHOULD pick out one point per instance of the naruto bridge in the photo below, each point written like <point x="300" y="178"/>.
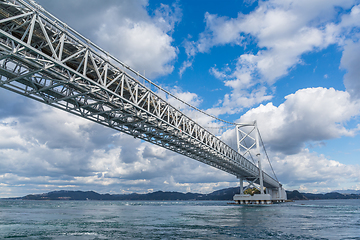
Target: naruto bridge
<point x="44" y="59"/>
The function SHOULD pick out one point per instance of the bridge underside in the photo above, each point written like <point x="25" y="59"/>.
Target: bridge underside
<point x="43" y="59"/>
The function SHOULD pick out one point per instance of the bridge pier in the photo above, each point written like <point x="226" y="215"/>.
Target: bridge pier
<point x="273" y="195"/>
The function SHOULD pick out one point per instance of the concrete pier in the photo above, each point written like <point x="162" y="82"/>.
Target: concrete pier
<point x="273" y="196"/>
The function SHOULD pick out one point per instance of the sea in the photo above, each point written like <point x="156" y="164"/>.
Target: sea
<point x="312" y="219"/>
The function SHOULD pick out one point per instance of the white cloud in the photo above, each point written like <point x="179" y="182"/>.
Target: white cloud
<point x="238" y="100"/>
<point x="139" y="38"/>
<point x="284" y="31"/>
<point x="273" y="21"/>
<point x="185" y="65"/>
<point x="145" y="45"/>
<point x="56" y="150"/>
<point x="186" y="96"/>
<point x="351" y="61"/>
<point x="314" y="172"/>
<point x="312" y="114"/>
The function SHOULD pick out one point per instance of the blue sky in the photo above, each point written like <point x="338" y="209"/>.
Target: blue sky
<point x="293" y="66"/>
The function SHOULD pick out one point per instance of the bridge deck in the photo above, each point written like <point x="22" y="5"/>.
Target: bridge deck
<point x="43" y="59"/>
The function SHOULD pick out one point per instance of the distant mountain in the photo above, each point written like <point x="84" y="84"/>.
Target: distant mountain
<point x="223" y="194"/>
<point x="349" y="191"/>
<point x="296" y="195"/>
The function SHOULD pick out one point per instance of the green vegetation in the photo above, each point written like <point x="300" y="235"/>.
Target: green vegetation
<point x="252" y="191"/>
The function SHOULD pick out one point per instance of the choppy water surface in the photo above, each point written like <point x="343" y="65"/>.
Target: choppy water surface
<point x="321" y="219"/>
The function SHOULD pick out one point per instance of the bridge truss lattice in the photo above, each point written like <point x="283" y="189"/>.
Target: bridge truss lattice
<point x="43" y="59"/>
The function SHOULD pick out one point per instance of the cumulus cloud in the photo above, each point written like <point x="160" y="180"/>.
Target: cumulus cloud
<point x="144" y="45"/>
<point x="311" y="114"/>
<point x="136" y="37"/>
<point x="284" y="31"/>
<point x="350" y="61"/>
<point x="315" y="173"/>
<point x="47" y="149"/>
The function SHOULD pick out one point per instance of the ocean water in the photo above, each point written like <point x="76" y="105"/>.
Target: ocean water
<point x="320" y="219"/>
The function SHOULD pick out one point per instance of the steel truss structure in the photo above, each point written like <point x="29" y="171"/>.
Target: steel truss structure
<point x="245" y="144"/>
<point x="43" y="59"/>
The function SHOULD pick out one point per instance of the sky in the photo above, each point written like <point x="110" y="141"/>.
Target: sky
<point x="293" y="66"/>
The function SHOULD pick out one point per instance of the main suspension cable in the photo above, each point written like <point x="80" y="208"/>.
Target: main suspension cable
<point x="267" y="155"/>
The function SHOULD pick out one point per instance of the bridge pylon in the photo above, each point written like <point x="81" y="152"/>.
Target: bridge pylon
<point x="248" y="144"/>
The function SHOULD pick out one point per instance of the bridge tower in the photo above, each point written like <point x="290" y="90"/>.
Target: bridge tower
<point x="248" y="143"/>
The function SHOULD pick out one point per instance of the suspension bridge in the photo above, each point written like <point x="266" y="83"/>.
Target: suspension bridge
<point x="44" y="59"/>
